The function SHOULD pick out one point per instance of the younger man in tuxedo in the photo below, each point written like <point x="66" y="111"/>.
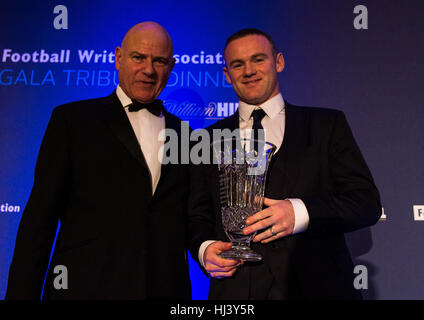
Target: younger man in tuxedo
<point x="318" y="188"/>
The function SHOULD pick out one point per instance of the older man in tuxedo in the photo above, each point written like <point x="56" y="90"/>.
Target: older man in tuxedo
<point x="318" y="188"/>
<point x="99" y="173"/>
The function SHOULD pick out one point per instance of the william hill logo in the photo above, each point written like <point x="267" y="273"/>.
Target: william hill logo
<point x="194" y="110"/>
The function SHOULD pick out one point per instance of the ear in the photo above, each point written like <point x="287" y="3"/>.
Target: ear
<point x="279" y="62"/>
<point x="118" y="56"/>
<point x="227" y="75"/>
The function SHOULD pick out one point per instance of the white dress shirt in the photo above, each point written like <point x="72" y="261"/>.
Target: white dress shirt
<point x="274" y="127"/>
<point x="146" y="127"/>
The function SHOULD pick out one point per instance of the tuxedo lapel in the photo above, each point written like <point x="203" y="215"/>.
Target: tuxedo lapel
<point x="295" y="142"/>
<point x="172" y="123"/>
<point x="117" y="120"/>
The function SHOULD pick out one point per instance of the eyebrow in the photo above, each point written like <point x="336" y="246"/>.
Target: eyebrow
<point x="257" y="55"/>
<point x="137" y="53"/>
<point x="143" y="55"/>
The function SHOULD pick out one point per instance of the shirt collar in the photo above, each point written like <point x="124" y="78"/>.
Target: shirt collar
<point x="122" y="96"/>
<point x="271" y="107"/>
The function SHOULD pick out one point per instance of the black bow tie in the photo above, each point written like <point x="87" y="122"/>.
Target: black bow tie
<point x="154" y="108"/>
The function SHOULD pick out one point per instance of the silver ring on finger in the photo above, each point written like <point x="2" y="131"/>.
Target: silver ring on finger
<point x="272" y="231"/>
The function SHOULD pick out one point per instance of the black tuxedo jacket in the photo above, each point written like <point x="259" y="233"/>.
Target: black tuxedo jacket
<point x="320" y="163"/>
<point x="116" y="240"/>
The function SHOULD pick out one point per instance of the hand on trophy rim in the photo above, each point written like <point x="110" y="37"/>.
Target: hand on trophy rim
<point x="275" y="221"/>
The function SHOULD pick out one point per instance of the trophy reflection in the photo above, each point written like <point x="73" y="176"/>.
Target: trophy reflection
<point x="242" y="166"/>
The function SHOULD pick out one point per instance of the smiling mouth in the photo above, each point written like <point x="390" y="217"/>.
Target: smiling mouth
<point x="251" y="82"/>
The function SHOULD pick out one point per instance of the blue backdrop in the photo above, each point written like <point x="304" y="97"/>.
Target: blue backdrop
<point x="374" y="75"/>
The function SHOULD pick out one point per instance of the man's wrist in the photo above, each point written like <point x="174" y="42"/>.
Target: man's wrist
<point x="202" y="250"/>
<point x="301" y="216"/>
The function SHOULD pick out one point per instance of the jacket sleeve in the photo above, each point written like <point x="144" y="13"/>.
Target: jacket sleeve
<point x="200" y="210"/>
<point x="354" y="201"/>
<point x="40" y="218"/>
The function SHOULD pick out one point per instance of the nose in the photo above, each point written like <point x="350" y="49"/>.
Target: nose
<point x="249" y="70"/>
<point x="148" y="68"/>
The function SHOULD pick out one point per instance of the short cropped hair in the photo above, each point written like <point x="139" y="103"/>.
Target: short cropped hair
<point x="251" y="31"/>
